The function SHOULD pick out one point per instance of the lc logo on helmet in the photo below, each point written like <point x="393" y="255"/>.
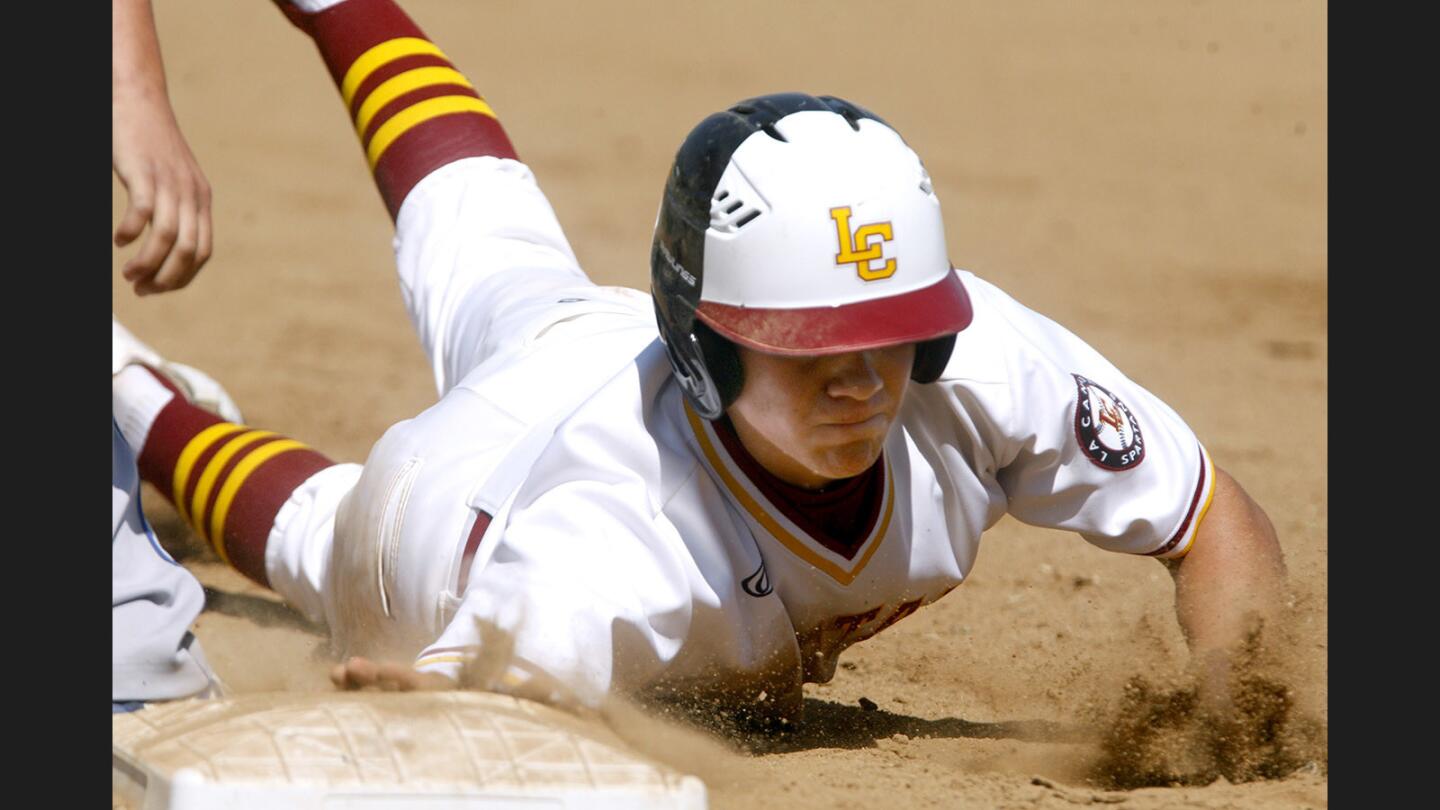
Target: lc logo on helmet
<point x="862" y="237"/>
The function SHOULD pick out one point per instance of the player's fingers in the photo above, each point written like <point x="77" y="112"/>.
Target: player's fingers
<point x="396" y="677"/>
<point x="138" y="211"/>
<point x="180" y="263"/>
<point x="164" y="227"/>
<point x="356" y="673"/>
<point x="363" y="672"/>
<point x="203" y="242"/>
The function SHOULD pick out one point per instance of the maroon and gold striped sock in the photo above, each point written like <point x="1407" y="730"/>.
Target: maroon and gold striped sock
<point x="414" y="112"/>
<point x="226" y="480"/>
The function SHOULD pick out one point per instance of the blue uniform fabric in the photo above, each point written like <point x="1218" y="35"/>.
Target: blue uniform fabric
<point x="154" y="656"/>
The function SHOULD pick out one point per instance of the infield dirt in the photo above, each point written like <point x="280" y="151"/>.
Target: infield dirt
<point x="1150" y="175"/>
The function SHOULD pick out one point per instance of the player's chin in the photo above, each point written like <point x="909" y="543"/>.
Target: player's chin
<point x="849" y="459"/>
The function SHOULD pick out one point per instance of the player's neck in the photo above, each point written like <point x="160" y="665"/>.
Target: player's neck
<point x="775" y="461"/>
<point x="838" y="517"/>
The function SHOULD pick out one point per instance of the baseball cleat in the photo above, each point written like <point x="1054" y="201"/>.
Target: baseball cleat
<point x="197" y="386"/>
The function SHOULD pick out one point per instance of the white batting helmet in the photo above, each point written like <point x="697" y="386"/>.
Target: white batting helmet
<point x="798" y="225"/>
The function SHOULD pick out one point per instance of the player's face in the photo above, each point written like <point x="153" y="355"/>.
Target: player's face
<point x="814" y="420"/>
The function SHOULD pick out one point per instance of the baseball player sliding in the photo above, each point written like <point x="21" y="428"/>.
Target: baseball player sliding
<point x="709" y="492"/>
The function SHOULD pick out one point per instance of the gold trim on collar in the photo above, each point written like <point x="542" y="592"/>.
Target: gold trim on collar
<point x="764" y="513"/>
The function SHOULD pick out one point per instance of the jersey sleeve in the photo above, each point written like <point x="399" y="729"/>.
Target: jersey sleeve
<point x="1076" y="444"/>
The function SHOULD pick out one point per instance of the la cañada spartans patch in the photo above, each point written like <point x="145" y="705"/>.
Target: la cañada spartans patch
<point x="1107" y="431"/>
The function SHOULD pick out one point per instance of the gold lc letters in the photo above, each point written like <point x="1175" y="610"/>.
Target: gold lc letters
<point x="870" y="252"/>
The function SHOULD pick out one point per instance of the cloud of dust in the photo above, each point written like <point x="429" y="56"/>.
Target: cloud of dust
<point x="1164" y="732"/>
<point x="673" y="741"/>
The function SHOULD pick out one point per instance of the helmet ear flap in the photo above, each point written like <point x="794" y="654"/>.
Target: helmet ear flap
<point x="722" y="361"/>
<point x="706" y="365"/>
<point x="931" y="357"/>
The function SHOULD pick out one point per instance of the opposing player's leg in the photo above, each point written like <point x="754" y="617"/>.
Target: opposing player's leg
<point x="154" y="656"/>
<point x="266" y="503"/>
<point x="476" y="240"/>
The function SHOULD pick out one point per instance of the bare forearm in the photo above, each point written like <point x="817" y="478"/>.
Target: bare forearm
<point x="1233" y="575"/>
<point x="136" y="67"/>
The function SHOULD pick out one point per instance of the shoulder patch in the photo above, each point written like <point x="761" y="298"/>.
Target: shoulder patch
<point x="1107" y="431"/>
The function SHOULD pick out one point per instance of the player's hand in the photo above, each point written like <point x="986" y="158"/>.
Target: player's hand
<point x="387" y="676"/>
<point x="1214" y="673"/>
<point x="168" y="193"/>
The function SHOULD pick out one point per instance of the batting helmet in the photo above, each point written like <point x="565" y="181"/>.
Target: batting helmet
<point x="798" y="225"/>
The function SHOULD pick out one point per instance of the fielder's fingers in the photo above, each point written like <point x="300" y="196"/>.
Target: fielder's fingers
<point x="204" y="244"/>
<point x="164" y="228"/>
<point x="180" y="263"/>
<point x="138" y="210"/>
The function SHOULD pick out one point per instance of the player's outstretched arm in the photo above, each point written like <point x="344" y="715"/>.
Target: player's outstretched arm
<point x="167" y="190"/>
<point x="1233" y="575"/>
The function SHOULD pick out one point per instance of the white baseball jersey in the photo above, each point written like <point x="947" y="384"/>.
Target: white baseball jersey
<point x="562" y="493"/>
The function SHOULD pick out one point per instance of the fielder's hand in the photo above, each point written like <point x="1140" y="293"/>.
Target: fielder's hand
<point x="167" y="191"/>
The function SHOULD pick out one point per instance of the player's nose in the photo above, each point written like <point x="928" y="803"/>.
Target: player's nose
<point x="855" y="376"/>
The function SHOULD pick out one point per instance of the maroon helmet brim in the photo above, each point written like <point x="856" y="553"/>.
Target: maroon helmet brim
<point x="930" y="312"/>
